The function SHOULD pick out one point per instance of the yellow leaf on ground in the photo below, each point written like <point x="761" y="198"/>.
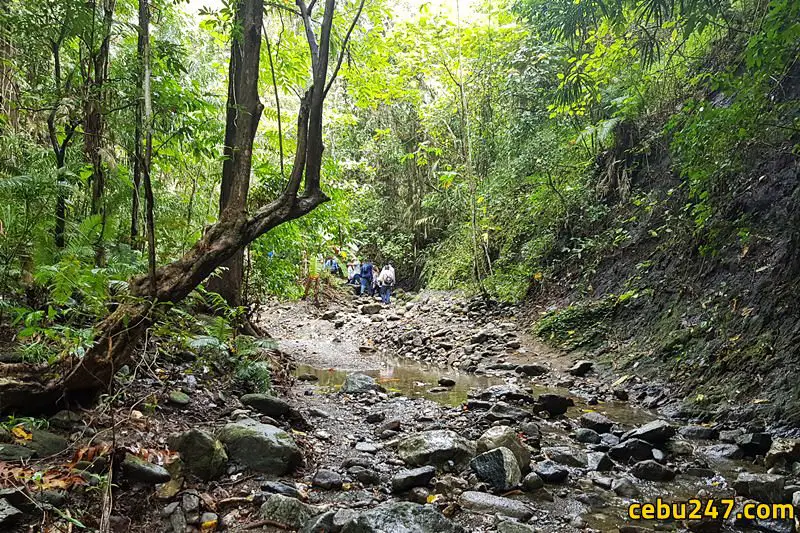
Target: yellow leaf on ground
<point x="20" y="433"/>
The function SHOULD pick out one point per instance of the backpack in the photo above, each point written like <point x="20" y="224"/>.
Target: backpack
<point x="366" y="271"/>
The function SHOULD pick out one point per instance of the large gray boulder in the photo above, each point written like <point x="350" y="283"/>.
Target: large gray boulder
<point x="359" y="384"/>
<point x="505" y="437"/>
<point x="783" y="452"/>
<point x="261" y="447"/>
<point x="408" y="479"/>
<point x="202" y="455"/>
<point x="498" y="468"/>
<point x="596" y="421"/>
<point x="401" y="517"/>
<point x="482" y="502"/>
<point x="137" y="469"/>
<point x="435" y="447"/>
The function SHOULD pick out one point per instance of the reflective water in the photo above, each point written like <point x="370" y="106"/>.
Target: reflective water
<point x="408" y="377"/>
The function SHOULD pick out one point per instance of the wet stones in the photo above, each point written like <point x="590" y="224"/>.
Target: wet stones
<point x="698" y="433"/>
<point x="656" y="432"/>
<point x="532" y="370"/>
<point x="596" y="422"/>
<point x="202" y="454"/>
<point x="565" y="455"/>
<point x="782" y="452"/>
<point x="327" y="480"/>
<point x="401" y="516"/>
<point x="587" y="436"/>
<point x="436" y="447"/>
<point x="261" y="447"/>
<point x="718" y="452"/>
<point x="766" y="488"/>
<point x="502" y="411"/>
<point x="631" y="450"/>
<point x="498" y="468"/>
<point x="581" y="368"/>
<point x="651" y="470"/>
<point x="359" y="384"/>
<point x="551" y="472"/>
<point x="505" y="437"/>
<point x="137" y="469"/>
<point x="267" y="404"/>
<point x="753" y="444"/>
<point x="289" y="511"/>
<point x="553" y="404"/>
<point x="532" y="482"/>
<point x="624" y="488"/>
<point x="408" y="479"/>
<point x="599" y="462"/>
<point x="370" y="308"/>
<point x="482" y="502"/>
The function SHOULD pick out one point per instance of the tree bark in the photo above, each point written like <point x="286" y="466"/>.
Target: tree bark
<point x="146" y="127"/>
<point x="241" y="121"/>
<point x="94" y="120"/>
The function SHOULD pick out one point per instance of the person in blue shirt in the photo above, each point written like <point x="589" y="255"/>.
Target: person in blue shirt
<point x="331" y="265"/>
<point x="366" y="277"/>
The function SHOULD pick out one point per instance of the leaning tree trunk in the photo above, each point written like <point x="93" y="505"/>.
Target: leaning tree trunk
<point x="30" y="388"/>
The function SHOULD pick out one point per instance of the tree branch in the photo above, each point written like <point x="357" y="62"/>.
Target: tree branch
<point x="344" y="47"/>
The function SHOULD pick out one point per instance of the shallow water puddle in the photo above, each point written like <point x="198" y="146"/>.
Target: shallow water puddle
<point x="409" y="378"/>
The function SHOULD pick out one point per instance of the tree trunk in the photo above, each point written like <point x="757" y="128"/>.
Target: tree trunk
<point x="146" y="127"/>
<point x="118" y="335"/>
<point x="94" y="121"/>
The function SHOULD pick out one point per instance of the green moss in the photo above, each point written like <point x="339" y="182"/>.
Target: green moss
<point x="579" y="325"/>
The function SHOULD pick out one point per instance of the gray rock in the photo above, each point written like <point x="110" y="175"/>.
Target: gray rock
<point x="190" y="505"/>
<point x="277" y="487"/>
<point x="261" y="447"/>
<point x="718" y="452"/>
<point x="370" y="308"/>
<point x="209" y="518"/>
<point x="367" y="476"/>
<point x="436" y="448"/>
<point x="587" y="436"/>
<point x="532" y="433"/>
<point x="532" y="370"/>
<point x="13" y="452"/>
<point x="137" y="469"/>
<point x="753" y="444"/>
<point x="507" y="412"/>
<point x="729" y="436"/>
<point x="482" y="502"/>
<point x="783" y="452"/>
<point x="408" y="479"/>
<point x="510" y="526"/>
<point x="532" y="482"/>
<point x="631" y="449"/>
<point x="266" y="404"/>
<point x="553" y="404"/>
<point x="177" y="397"/>
<point x="498" y="468"/>
<point x="551" y="472"/>
<point x="289" y="511"/>
<point x="581" y="368"/>
<point x="596" y="421"/>
<point x="624" y="488"/>
<point x="202" y="454"/>
<point x="565" y="455"/>
<point x="44" y="444"/>
<point x="8" y="513"/>
<point x="766" y="488"/>
<point x="401" y="517"/>
<point x="698" y="433"/>
<point x="65" y="420"/>
<point x="656" y="432"/>
<point x="447" y="382"/>
<point x="359" y="383"/>
<point x="651" y="470"/>
<point x="599" y="462"/>
<point x="327" y="480"/>
<point x="505" y="437"/>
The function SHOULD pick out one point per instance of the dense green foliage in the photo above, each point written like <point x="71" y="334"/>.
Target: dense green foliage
<point x="491" y="149"/>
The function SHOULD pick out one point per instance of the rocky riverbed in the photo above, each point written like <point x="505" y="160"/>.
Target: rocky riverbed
<point x="434" y="414"/>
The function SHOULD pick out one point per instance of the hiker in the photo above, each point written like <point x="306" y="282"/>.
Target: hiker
<point x="353" y="271"/>
<point x="386" y="282"/>
<point x="375" y="274"/>
<point x="311" y="268"/>
<point x="366" y="277"/>
<point x="332" y="265"/>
